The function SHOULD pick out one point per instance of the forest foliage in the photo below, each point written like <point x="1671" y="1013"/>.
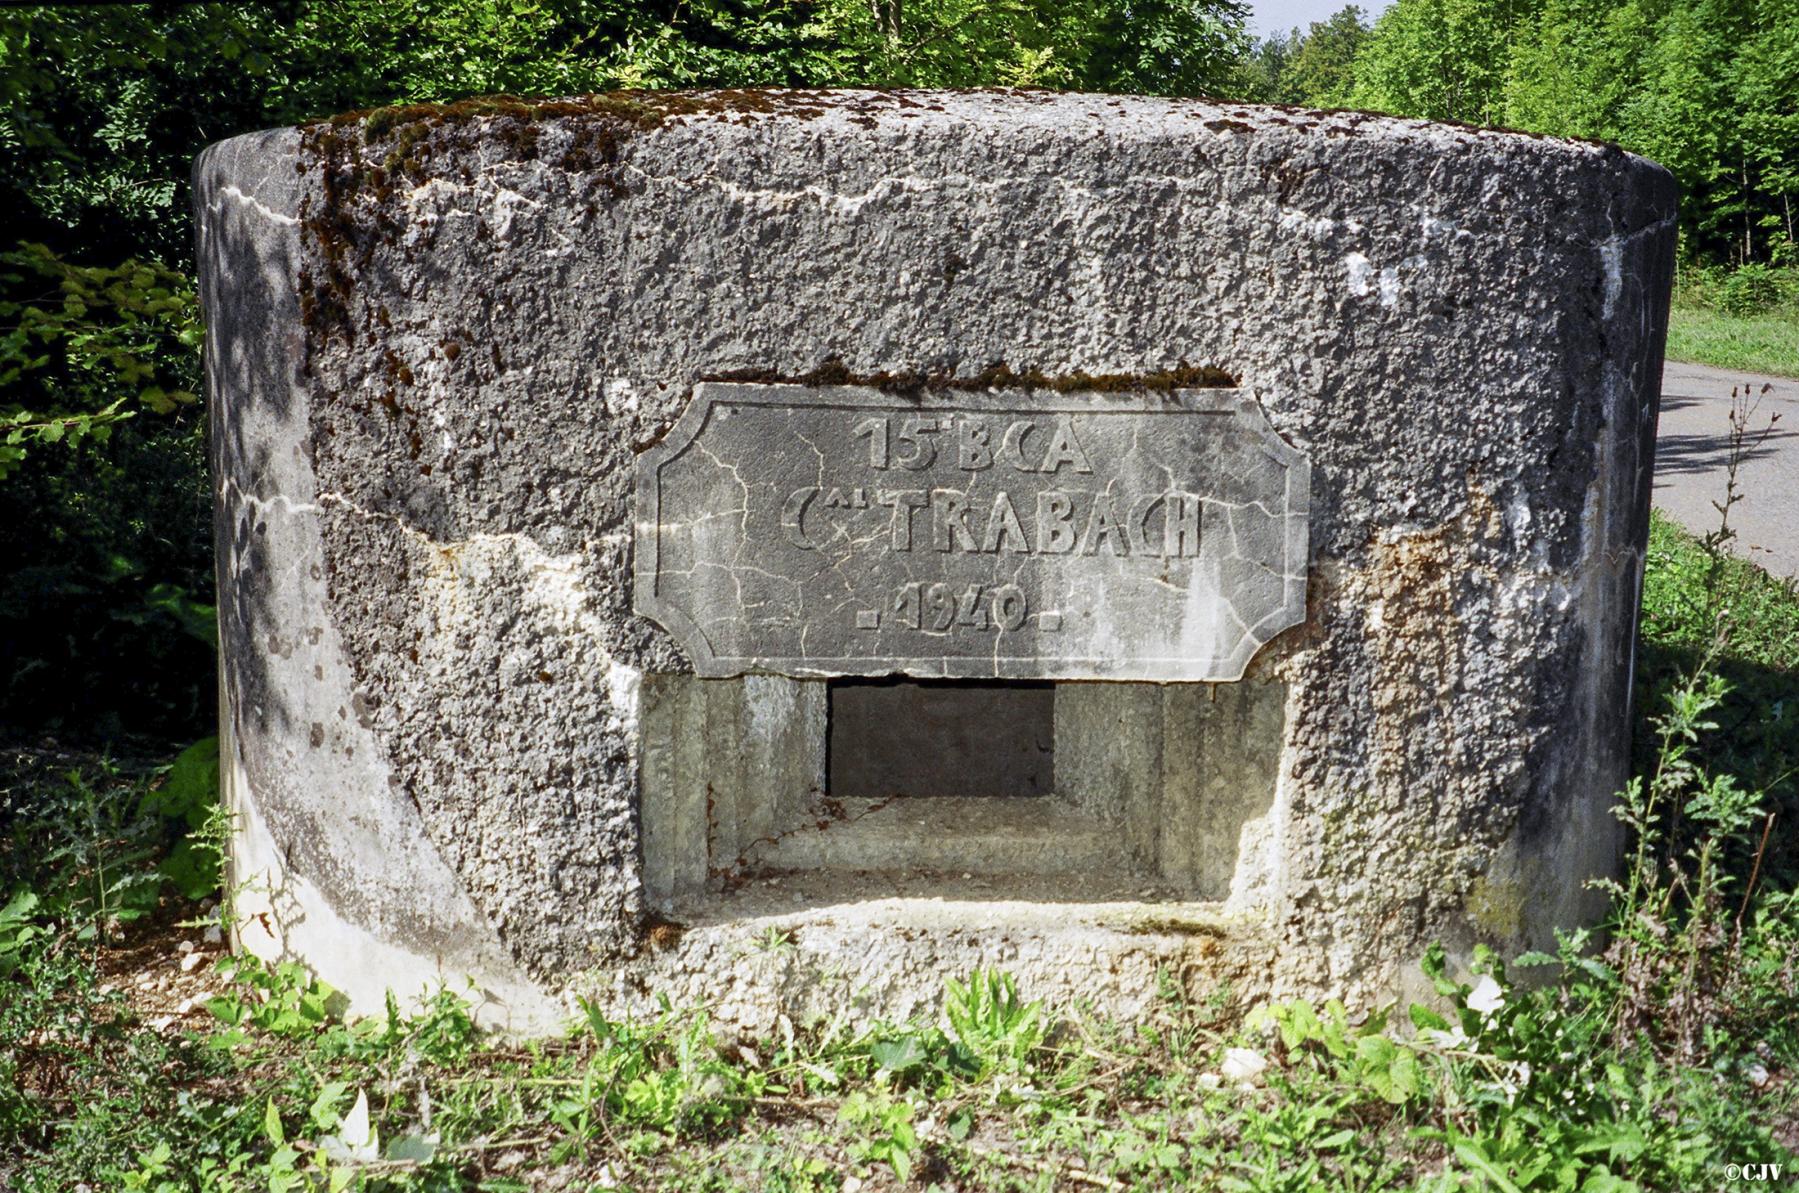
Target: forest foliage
<point x="1708" y="88"/>
<point x="104" y="506"/>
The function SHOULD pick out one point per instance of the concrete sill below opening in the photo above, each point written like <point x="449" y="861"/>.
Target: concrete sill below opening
<point x="988" y="835"/>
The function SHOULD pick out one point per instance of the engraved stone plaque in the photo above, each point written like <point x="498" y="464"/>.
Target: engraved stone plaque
<point x="846" y="531"/>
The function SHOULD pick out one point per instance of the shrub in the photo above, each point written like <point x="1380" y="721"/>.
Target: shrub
<point x="1749" y="290"/>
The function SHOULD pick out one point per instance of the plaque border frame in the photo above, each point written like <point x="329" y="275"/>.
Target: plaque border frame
<point x="1238" y="403"/>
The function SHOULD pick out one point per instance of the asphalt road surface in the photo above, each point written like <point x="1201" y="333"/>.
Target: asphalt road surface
<point x="1692" y="451"/>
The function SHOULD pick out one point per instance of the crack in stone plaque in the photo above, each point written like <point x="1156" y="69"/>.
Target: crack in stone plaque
<point x="815" y="531"/>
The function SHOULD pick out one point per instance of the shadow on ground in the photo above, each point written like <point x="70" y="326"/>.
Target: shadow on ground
<point x="1697" y="454"/>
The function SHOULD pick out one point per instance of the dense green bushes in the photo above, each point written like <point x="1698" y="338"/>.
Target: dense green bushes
<point x="1750" y="289"/>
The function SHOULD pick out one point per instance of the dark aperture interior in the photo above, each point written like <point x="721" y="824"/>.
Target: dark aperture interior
<point x="940" y="738"/>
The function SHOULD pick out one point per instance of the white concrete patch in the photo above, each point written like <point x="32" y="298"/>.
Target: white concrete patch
<point x="623" y="685"/>
<point x="281" y="916"/>
<point x="1611" y="257"/>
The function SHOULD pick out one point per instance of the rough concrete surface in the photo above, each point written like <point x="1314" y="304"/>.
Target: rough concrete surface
<point x="440" y="338"/>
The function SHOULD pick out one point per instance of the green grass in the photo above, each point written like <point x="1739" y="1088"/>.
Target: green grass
<point x="1764" y="343"/>
<point x="1503" y="1088"/>
<point x="1649" y="1065"/>
<point x="1681" y="611"/>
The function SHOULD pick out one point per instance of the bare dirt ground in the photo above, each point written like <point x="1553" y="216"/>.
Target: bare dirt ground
<point x="165" y="970"/>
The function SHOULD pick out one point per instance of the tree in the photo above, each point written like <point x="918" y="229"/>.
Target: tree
<point x="1573" y="65"/>
<point x="1315" y="68"/>
<point x="1708" y="88"/>
<point x="1321" y="71"/>
<point x="1767" y="87"/>
<point x="1440" y="59"/>
<point x="1686" y="117"/>
<point x="1261" y="77"/>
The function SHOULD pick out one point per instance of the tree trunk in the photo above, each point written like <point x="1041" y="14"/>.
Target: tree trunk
<point x="1748" y="247"/>
<point x="887" y="17"/>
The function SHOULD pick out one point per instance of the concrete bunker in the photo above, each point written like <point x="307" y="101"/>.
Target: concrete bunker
<point x="857" y="789"/>
<point x="585" y="468"/>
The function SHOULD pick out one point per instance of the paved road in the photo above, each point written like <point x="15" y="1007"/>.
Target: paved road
<point x="1693" y="444"/>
